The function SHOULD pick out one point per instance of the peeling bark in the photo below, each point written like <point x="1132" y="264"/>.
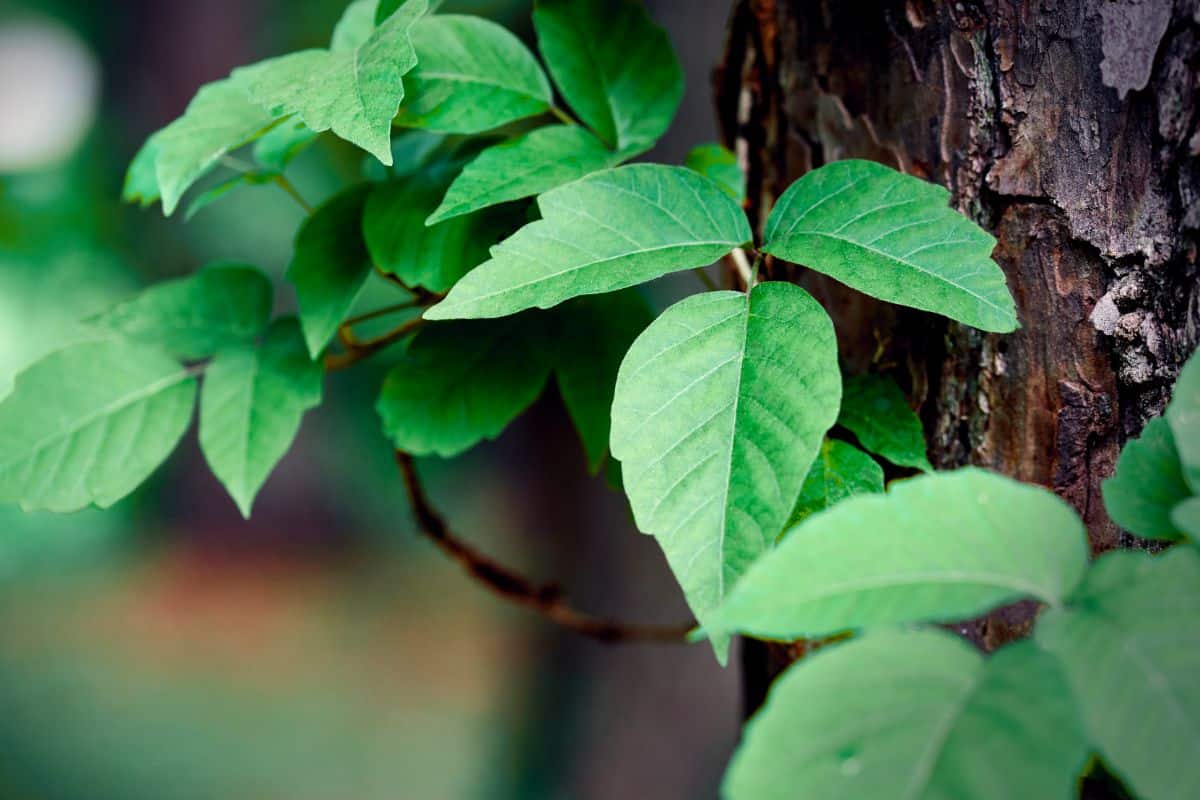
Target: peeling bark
<point x="1068" y="128"/>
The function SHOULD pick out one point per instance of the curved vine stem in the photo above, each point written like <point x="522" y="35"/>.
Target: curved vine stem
<point x="357" y="351"/>
<point x="547" y="600"/>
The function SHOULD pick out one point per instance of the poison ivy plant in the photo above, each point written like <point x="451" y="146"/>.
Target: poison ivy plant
<point x="876" y="411"/>
<point x="1183" y="415"/>
<point x="1148" y="484"/>
<point x="721" y="165"/>
<point x="1186" y="517"/>
<point x="840" y="471"/>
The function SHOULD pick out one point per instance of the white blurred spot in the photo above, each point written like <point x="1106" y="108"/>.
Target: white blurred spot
<point x="49" y="88"/>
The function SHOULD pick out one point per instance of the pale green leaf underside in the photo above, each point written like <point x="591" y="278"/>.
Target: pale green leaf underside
<point x="912" y="715"/>
<point x="1147" y="484"/>
<point x="329" y="265"/>
<point x="472" y="75"/>
<point x="1186" y="517"/>
<point x="523" y="167"/>
<point x="251" y="405"/>
<point x="614" y="66"/>
<point x="840" y="471"/>
<point x="720" y="408"/>
<point x="353" y="92"/>
<point x="721" y="165"/>
<point x="938" y="547"/>
<point x="463" y="382"/>
<point x="894" y="237"/>
<point x="1131" y="649"/>
<point x="611" y="230"/>
<point x="875" y="410"/>
<point x="88" y="424"/>
<point x="195" y="316"/>
<point x="1183" y="414"/>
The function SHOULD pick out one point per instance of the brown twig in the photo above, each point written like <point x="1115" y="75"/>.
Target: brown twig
<point x="546" y="600"/>
<point x="356" y="351"/>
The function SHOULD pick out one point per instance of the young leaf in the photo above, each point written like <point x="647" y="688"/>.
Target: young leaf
<point x="614" y="66"/>
<point x="353" y="92"/>
<point x="1148" y="484"/>
<point x="193" y="317"/>
<point x="330" y="265"/>
<point x="251" y="405"/>
<point x="464" y="382"/>
<point x="721" y="166"/>
<point x="278" y="146"/>
<point x="720" y="408"/>
<point x="913" y="714"/>
<point x="1130" y="643"/>
<point x="939" y="547"/>
<point x="840" y="471"/>
<point x="892" y="236"/>
<point x="472" y="75"/>
<point x="1183" y="414"/>
<point x="608" y="231"/>
<point x="1186" y="517"/>
<point x="523" y="167"/>
<point x="595" y="333"/>
<point x="876" y="411"/>
<point x="220" y="118"/>
<point x="141" y="180"/>
<point x="62" y="448"/>
<point x="433" y="257"/>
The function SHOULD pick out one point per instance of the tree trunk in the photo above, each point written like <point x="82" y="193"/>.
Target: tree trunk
<point x="1069" y="130"/>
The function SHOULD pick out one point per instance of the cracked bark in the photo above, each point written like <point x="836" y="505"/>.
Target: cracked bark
<point x="1069" y="129"/>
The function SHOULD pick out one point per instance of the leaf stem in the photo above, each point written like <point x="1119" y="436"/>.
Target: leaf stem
<point x="357" y="351"/>
<point x="283" y="183"/>
<point x="562" y="116"/>
<point x="547" y="600"/>
<point x="741" y="264"/>
<point x="382" y="312"/>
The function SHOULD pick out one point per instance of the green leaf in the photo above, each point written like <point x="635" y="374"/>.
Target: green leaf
<point x="913" y="714"/>
<point x="613" y="65"/>
<point x="89" y="423"/>
<point x="840" y="471"/>
<point x="875" y="410"/>
<point x="721" y="166"/>
<point x="608" y="231"/>
<point x="1186" y="517"/>
<point x="594" y="335"/>
<point x="472" y="75"/>
<point x="720" y="408"/>
<point x="278" y="146"/>
<point x="1183" y="414"/>
<point x="353" y="92"/>
<point x="219" y="119"/>
<point x="1147" y="484"/>
<point x="463" y="382"/>
<point x="434" y="257"/>
<point x="330" y="265"/>
<point x="892" y="236"/>
<point x="212" y="195"/>
<point x="940" y="547"/>
<point x="1130" y="644"/>
<point x="523" y="167"/>
<point x="141" y="181"/>
<point x="193" y="317"/>
<point x="358" y="22"/>
<point x="251" y="405"/>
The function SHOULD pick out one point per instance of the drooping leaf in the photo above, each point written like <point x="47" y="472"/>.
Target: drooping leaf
<point x="251" y="405"/>
<point x="875" y="410"/>
<point x="594" y="335"/>
<point x="219" y="119"/>
<point x="1130" y="643"/>
<point x="720" y="408"/>
<point x="215" y="193"/>
<point x="941" y="547"/>
<point x="353" y="92"/>
<point x="614" y="66"/>
<point x="278" y="146"/>
<point x="141" y="180"/>
<point x="434" y="257"/>
<point x="89" y="423"/>
<point x="720" y="165"/>
<point x="894" y="237"/>
<point x="193" y="317"/>
<point x="611" y="230"/>
<point x="913" y="714"/>
<point x="460" y="383"/>
<point x="1148" y="484"/>
<point x="330" y="265"/>
<point x="1183" y="414"/>
<point x="1186" y="517"/>
<point x="472" y="75"/>
<point x="523" y="167"/>
<point x="840" y="471"/>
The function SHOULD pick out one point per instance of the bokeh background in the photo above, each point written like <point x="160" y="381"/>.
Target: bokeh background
<point x="166" y="648"/>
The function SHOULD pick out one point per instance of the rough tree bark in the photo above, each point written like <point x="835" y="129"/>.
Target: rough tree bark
<point x="1068" y="128"/>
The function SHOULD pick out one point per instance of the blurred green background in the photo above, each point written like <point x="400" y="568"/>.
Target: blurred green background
<point x="167" y="649"/>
